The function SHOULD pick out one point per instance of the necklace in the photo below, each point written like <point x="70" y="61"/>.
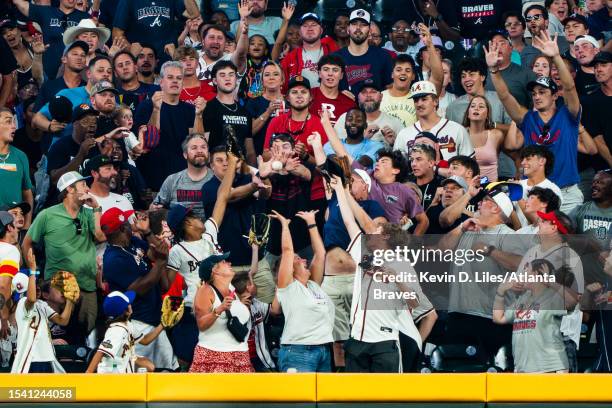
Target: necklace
<point x="228" y="108"/>
<point x="298" y="131"/>
<point x="5" y="158"/>
<point x="195" y="94"/>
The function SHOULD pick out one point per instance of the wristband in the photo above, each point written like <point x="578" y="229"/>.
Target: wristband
<point x="34" y="272"/>
<point x="311" y="226"/>
<point x="97" y="210"/>
<point x="95" y="13"/>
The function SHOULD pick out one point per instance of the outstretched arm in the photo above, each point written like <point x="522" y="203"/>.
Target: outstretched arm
<point x="317" y="265"/>
<point x="514" y="109"/>
<point x="285" y="270"/>
<point x="334" y="140"/>
<point x="287" y="13"/>
<point x="345" y="210"/>
<point x="224" y="190"/>
<point x="435" y="63"/>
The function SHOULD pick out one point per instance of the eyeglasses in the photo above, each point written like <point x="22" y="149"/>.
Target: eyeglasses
<point x="515" y="24"/>
<point x="535" y="17"/>
<point x="78" y="226"/>
<point x="400" y="30"/>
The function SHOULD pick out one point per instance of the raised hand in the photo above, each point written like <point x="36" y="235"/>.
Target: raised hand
<point x="492" y="55"/>
<point x="287" y="11"/>
<point x="245" y="8"/>
<point x="200" y="104"/>
<point x="336" y="183"/>
<point x="547" y="45"/>
<point x="38" y="45"/>
<point x="314" y="139"/>
<point x="292" y="163"/>
<point x="430" y="8"/>
<point x="31" y="259"/>
<point x="474" y="186"/>
<point x="265" y="167"/>
<point x="425" y="35"/>
<point x="119" y="44"/>
<point x="275" y="215"/>
<point x="308" y="216"/>
<point x="157" y="100"/>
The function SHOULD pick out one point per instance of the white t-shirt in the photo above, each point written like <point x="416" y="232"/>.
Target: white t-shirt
<point x="204" y="69"/>
<point x="9" y="259"/>
<point x="185" y="258"/>
<point x="367" y="324"/>
<point x="118" y="348"/>
<point x="38" y="316"/>
<point x="400" y="107"/>
<point x="113" y="200"/>
<point x="452" y="137"/>
<point x="309" y="314"/>
<point x="546" y="183"/>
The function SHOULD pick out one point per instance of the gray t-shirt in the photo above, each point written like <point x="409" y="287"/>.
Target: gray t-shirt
<point x="594" y="221"/>
<point x="179" y="188"/>
<point x="476" y="296"/>
<point x="537" y="342"/>
<point x="516" y="78"/>
<point x="529" y="53"/>
<point x="311" y="60"/>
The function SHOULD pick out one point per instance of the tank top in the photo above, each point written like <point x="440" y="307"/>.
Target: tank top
<point x="217" y="337"/>
<point x="486" y="157"/>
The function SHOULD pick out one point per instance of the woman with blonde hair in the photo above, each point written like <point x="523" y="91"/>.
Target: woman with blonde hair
<point x="486" y="139"/>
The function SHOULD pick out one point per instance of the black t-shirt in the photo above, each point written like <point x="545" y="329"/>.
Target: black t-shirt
<point x="256" y="107"/>
<point x="236" y="221"/>
<point x="217" y="114"/>
<point x="478" y="17"/>
<point x="9" y="64"/>
<point x="585" y="83"/>
<point x="133" y="98"/>
<point x="429" y="191"/>
<point x="413" y="14"/>
<point x="596" y="120"/>
<point x="167" y="157"/>
<point x="433" y="213"/>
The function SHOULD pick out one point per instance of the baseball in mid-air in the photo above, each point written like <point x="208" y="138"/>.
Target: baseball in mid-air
<point x="277" y="165"/>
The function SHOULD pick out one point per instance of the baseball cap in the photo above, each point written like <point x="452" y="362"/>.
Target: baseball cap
<point x="207" y="265"/>
<point x="502" y="200"/>
<point x="542" y="81"/>
<point x="116" y="303"/>
<point x="102" y="86"/>
<point x="60" y="108"/>
<point x="96" y="162"/>
<point x="20" y="282"/>
<point x="69" y="179"/>
<point x="360" y="14"/>
<point x="579" y="18"/>
<point x="601" y="57"/>
<point x="427" y="135"/>
<point x="8" y="23"/>
<point x="25" y="207"/>
<point x="422" y="88"/>
<point x="365" y="177"/>
<point x="113" y="219"/>
<point x="83" y="110"/>
<point x="550" y="216"/>
<point x="587" y="38"/>
<point x="513" y="190"/>
<point x="81" y="44"/>
<point x="176" y="215"/>
<point x="298" y="81"/>
<point x="369" y="83"/>
<point x="6" y="218"/>
<point x="460" y="181"/>
<point x="501" y="32"/>
<point x="310" y="16"/>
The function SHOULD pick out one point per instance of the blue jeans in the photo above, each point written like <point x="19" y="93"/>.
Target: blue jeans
<point x="305" y="359"/>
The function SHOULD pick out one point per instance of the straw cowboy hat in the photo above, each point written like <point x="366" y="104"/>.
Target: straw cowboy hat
<point x="86" y="25"/>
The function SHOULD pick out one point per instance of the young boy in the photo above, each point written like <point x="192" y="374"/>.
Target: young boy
<point x="35" y="352"/>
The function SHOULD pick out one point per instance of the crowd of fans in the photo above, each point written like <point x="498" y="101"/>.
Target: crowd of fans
<point x="240" y="163"/>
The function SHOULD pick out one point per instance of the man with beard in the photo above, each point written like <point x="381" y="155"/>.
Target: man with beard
<point x="168" y="122"/>
<point x="380" y="125"/>
<point x="595" y="217"/>
<point x="536" y="17"/>
<point x="146" y="64"/>
<point x="130" y="90"/>
<point x="69" y="231"/>
<point x="214" y="39"/>
<point x="360" y="148"/>
<point x="224" y="110"/>
<point x="328" y="96"/>
<point x="104" y="174"/>
<point x="403" y="39"/>
<point x="259" y="23"/>
<point x="185" y="187"/>
<point x="452" y="137"/>
<point x="73" y="61"/>
<point x="303" y="60"/>
<point x="300" y="124"/>
<point x="361" y="60"/>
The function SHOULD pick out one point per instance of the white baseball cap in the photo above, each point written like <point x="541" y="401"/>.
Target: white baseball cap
<point x="20" y="282"/>
<point x="69" y="179"/>
<point x="587" y="38"/>
<point x="422" y="88"/>
<point x="365" y="177"/>
<point x="503" y="202"/>
<point x="360" y="14"/>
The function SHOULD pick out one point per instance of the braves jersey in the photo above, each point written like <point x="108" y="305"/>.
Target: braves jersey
<point x="9" y="259"/>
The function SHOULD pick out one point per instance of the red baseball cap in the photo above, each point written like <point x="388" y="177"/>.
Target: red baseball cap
<point x="113" y="219"/>
<point x="550" y="216"/>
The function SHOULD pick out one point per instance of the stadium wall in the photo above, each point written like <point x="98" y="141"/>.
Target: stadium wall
<point x="307" y="390"/>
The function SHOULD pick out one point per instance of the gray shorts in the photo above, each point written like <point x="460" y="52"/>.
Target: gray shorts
<point x="340" y="290"/>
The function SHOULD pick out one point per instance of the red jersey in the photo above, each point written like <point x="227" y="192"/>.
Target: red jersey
<point x="205" y="90"/>
<point x="335" y="107"/>
<point x="300" y="132"/>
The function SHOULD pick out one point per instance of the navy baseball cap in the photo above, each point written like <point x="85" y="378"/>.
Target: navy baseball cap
<point x="24" y="206"/>
<point x="81" y="44"/>
<point x="544" y="82"/>
<point x="298" y="81"/>
<point x="83" y="110"/>
<point x="176" y="216"/>
<point x="369" y="83"/>
<point x="577" y="18"/>
<point x="310" y="16"/>
<point x="207" y="265"/>
<point x="116" y="303"/>
<point x="602" y="57"/>
<point x="60" y="109"/>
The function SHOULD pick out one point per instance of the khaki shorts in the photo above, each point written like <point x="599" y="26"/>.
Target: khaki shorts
<point x="88" y="310"/>
<point x="263" y="279"/>
<point x="340" y="290"/>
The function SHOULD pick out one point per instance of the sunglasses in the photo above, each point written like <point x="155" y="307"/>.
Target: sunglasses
<point x="78" y="226"/>
<point x="535" y="17"/>
<point x="400" y="30"/>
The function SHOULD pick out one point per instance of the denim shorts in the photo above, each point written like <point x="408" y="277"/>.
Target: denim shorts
<point x="305" y="359"/>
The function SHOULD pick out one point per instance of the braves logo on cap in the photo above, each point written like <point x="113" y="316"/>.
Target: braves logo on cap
<point x="298" y="78"/>
<point x="360" y="13"/>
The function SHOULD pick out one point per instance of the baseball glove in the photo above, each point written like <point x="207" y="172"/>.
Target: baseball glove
<point x="66" y="283"/>
<point x="231" y="142"/>
<point x="260" y="228"/>
<point x="171" y="316"/>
